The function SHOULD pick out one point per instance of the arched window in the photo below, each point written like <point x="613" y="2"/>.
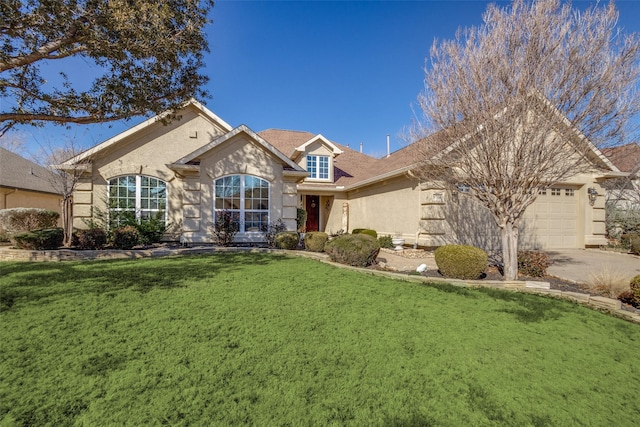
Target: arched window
<point x="246" y="198"/>
<point x="142" y="196"/>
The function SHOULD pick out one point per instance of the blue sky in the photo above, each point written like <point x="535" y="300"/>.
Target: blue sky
<point x="348" y="70"/>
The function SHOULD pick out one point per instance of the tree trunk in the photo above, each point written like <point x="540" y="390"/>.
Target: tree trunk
<point x="67" y="220"/>
<point x="509" y="234"/>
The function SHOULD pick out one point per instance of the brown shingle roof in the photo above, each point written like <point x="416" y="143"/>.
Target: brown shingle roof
<point x="350" y="166"/>
<point x="625" y="157"/>
<point x="286" y="140"/>
<point x="18" y="172"/>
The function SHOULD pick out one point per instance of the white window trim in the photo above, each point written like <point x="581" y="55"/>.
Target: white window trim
<point x="317" y="158"/>
<point x="242" y="210"/>
<point x="138" y="197"/>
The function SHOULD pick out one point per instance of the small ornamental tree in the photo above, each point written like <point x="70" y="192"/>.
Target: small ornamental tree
<point x="224" y="228"/>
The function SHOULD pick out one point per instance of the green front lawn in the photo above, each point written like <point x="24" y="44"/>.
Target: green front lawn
<point x="263" y="339"/>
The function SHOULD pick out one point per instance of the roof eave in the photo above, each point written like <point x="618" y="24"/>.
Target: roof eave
<point x="392" y="174"/>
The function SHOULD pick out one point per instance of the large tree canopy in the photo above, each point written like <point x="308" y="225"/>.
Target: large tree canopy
<point x="509" y="103"/>
<point x="147" y="56"/>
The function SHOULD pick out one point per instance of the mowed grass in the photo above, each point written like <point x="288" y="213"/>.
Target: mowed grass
<point x="264" y="339"/>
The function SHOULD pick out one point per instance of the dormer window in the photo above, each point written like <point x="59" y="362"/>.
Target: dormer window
<point x="318" y="167"/>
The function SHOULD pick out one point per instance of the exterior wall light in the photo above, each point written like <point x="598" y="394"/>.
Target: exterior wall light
<point x="593" y="195"/>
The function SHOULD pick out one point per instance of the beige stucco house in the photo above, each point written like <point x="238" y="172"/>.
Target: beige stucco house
<point x="194" y="167"/>
<point x="25" y="184"/>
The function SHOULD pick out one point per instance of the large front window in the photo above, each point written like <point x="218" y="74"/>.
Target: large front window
<point x="246" y="198"/>
<point x="318" y="167"/>
<point x="137" y="195"/>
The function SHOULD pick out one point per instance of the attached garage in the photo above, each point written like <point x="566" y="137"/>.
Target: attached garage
<point x="552" y="220"/>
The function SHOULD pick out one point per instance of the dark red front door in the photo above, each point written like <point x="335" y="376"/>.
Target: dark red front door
<point x="312" y="204"/>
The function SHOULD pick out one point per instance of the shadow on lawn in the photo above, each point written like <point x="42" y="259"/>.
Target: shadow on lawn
<point x="32" y="282"/>
<point x="529" y="309"/>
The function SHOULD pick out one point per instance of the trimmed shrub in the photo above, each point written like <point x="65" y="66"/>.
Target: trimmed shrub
<point x="385" y="241"/>
<point x="372" y="233"/>
<point x="461" y="261"/>
<point x="359" y="250"/>
<point x="278" y="226"/>
<point x="533" y="263"/>
<point x="287" y="240"/>
<point x="16" y="220"/>
<point x="634" y="245"/>
<point x="125" y="237"/>
<point x="625" y="239"/>
<point x="314" y="241"/>
<point x="49" y="238"/>
<point x="301" y="219"/>
<point x="224" y="228"/>
<point x="91" y="239"/>
<point x="152" y="229"/>
<point x="632" y="296"/>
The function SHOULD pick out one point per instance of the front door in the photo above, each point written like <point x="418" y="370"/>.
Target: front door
<point x="312" y="205"/>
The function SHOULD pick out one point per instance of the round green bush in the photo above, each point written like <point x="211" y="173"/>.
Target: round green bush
<point x="125" y="237"/>
<point x="372" y="233"/>
<point x="287" y="240"/>
<point x="314" y="241"/>
<point x="358" y="250"/>
<point x="461" y="261"/>
<point x="634" y="245"/>
<point x="38" y="240"/>
<point x="635" y="285"/>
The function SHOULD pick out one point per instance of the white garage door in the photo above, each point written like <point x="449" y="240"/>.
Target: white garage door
<point x="552" y="219"/>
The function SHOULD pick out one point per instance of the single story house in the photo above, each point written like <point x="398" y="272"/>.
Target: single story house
<point x="25" y="184"/>
<point x="192" y="168"/>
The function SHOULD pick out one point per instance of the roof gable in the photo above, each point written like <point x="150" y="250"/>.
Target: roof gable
<point x="299" y="150"/>
<point x="201" y="109"/>
<point x="189" y="158"/>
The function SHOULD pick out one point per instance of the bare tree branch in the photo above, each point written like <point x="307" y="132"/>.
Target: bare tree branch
<point x="514" y="106"/>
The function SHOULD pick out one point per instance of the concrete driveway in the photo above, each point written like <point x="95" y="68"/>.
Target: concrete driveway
<point x="577" y="265"/>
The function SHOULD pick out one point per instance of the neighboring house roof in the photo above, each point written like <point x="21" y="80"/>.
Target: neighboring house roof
<point x="625" y="157"/>
<point x="18" y="172"/>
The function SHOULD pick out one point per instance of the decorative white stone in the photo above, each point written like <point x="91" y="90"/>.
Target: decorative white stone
<point x="421" y="268"/>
